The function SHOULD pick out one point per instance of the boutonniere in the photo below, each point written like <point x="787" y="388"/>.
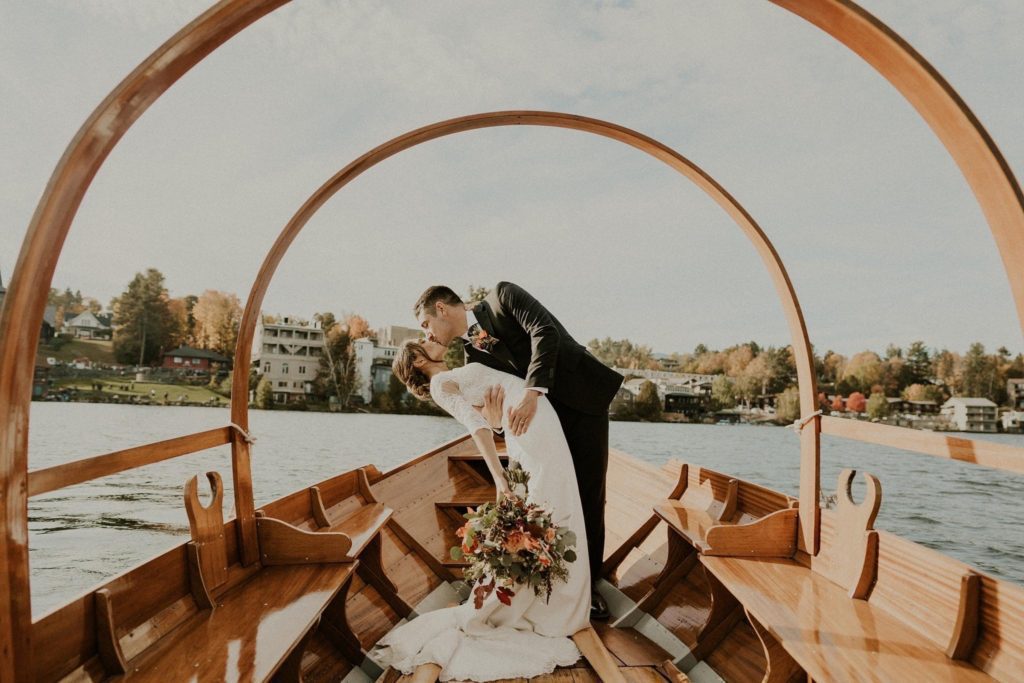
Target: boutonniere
<point x="483" y="341"/>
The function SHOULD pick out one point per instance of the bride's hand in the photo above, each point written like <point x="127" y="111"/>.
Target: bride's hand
<point x="503" y="490"/>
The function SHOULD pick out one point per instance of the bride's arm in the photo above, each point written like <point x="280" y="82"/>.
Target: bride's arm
<point x="449" y="397"/>
<point x="484" y="440"/>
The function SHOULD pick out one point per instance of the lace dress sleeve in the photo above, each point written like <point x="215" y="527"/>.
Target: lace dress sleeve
<point x="446" y="393"/>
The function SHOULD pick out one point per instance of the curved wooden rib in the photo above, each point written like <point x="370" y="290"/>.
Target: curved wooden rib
<point x="809" y="442"/>
<point x="949" y="117"/>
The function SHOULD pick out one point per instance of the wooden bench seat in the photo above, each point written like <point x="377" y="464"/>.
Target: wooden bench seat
<point x="254" y="621"/>
<point x="831" y="636"/>
<point x="254" y="630"/>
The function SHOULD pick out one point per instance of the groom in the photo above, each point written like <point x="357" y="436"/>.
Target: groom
<point x="511" y="331"/>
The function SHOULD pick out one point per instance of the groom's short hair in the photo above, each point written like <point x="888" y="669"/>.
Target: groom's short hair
<point x="432" y="295"/>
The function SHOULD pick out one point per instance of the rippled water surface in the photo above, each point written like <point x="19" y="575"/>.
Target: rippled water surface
<point x="83" y="534"/>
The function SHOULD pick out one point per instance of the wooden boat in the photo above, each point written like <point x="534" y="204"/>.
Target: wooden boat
<point x="709" y="578"/>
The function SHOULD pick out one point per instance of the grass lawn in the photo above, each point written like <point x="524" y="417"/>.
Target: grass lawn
<point x="96" y="350"/>
<point x="174" y="392"/>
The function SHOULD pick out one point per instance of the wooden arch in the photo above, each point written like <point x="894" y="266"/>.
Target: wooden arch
<point x="809" y="460"/>
<point x="979" y="160"/>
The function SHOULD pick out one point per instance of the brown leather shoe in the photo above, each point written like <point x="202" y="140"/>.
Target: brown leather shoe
<point x="598" y="606"/>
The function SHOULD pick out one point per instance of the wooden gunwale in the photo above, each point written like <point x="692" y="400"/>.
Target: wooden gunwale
<point x="974" y="451"/>
<point x="86" y="469"/>
<point x="975" y="152"/>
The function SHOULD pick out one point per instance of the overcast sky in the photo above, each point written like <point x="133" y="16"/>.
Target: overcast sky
<point x="878" y="230"/>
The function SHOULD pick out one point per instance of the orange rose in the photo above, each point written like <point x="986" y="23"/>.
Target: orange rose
<point x="549" y="534"/>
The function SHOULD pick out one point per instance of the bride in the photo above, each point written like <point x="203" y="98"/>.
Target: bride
<point x="530" y="637"/>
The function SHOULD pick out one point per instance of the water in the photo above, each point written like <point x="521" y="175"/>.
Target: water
<point x="84" y="534"/>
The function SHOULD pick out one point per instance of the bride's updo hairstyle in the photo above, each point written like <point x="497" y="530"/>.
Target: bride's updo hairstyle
<point x="412" y="377"/>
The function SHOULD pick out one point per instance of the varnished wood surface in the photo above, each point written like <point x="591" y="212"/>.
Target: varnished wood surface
<point x="828" y="634"/>
<point x="250" y="633"/>
<point x="70" y="473"/>
<point x="851" y="558"/>
<point x="970" y="145"/>
<point x="1000" y="456"/>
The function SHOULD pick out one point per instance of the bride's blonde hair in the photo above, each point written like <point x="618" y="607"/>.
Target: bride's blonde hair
<point x="411" y="376"/>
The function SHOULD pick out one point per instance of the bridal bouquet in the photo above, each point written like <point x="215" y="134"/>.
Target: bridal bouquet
<point x="513" y="542"/>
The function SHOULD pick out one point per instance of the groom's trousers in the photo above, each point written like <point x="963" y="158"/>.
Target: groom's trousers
<point x="587" y="436"/>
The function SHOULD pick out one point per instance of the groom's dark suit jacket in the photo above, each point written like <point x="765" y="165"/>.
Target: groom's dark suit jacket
<point x="521" y="326"/>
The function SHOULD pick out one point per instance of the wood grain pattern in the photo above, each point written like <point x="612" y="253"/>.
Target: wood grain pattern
<point x="965" y="631"/>
<point x="107" y="642"/>
<point x="267" y="616"/>
<point x="282" y="543"/>
<point x="780" y="667"/>
<point x="78" y="471"/>
<point x="850" y="559"/>
<point x="999" y="456"/>
<point x="794" y="603"/>
<point x="597" y="655"/>
<point x="206" y="524"/>
<point x="774" y="535"/>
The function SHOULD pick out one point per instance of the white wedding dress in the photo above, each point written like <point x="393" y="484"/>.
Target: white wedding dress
<point x="530" y="637"/>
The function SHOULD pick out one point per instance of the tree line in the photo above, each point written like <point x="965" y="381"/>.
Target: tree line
<point x="916" y="372"/>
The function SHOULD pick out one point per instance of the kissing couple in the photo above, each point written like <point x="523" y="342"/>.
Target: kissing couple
<point x="527" y="378"/>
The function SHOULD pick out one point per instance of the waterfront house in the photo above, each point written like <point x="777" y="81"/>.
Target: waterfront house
<point x="690" y="399"/>
<point x="971" y="414"/>
<point x="1013" y="421"/>
<point x="287" y="354"/>
<point x="48" y="328"/>
<point x="373" y="366"/>
<point x="188" y="358"/>
<point x="89" y="325"/>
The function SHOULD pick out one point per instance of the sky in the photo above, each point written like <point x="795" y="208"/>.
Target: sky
<point x="882" y="239"/>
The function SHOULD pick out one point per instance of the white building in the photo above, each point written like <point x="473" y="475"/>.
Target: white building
<point x="87" y="325"/>
<point x="971" y="414"/>
<point x="394" y="335"/>
<point x="373" y="367"/>
<point x="288" y="355"/>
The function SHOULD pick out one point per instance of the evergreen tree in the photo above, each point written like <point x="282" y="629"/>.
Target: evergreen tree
<point x="143" y="324"/>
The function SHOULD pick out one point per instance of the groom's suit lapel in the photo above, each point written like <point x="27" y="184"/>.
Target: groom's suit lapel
<point x="499" y="350"/>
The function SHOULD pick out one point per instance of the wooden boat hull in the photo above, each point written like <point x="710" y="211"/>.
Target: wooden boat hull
<point x="670" y="614"/>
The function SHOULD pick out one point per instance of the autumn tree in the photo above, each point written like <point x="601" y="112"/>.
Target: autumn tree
<point x="787" y="405"/>
<point x="862" y="371"/>
<point x="477" y="294"/>
<point x="877" y="406"/>
<point x="922" y="392"/>
<point x="622" y="353"/>
<point x="947" y="368"/>
<point x="264" y="394"/>
<point x="67" y="304"/>
<point x="217" y="316"/>
<point x="723" y="393"/>
<point x="337" y="374"/>
<point x="143" y="324"/>
<point x="856" y="403"/>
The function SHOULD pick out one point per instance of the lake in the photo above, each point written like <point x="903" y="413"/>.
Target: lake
<point x="83" y="534"/>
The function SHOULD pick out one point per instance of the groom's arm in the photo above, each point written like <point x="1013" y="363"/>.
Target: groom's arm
<point x="538" y="323"/>
<point x="544" y="340"/>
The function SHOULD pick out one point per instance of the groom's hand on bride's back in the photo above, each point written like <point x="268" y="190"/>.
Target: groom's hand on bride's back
<point x="519" y="418"/>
